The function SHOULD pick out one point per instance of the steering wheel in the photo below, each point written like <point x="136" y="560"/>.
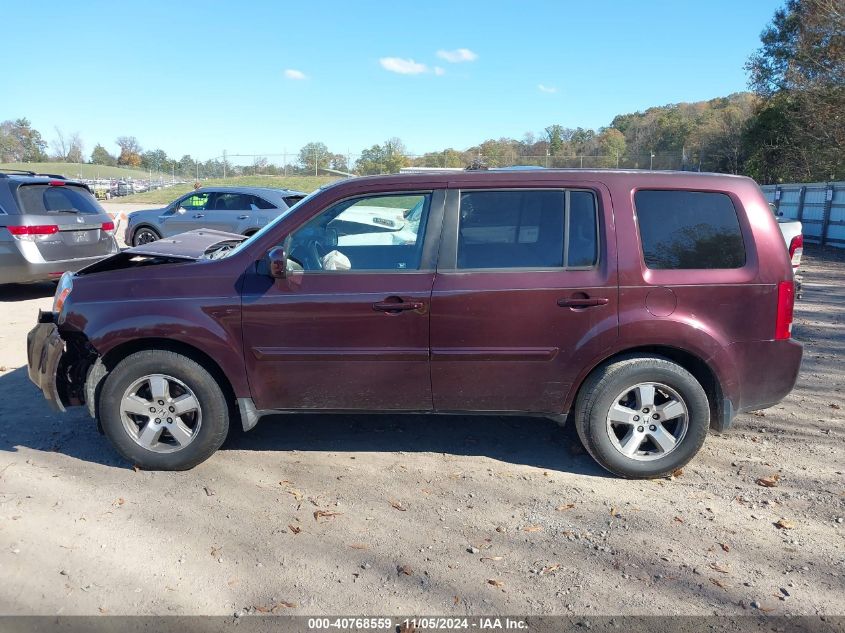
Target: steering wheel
<point x="315" y="254"/>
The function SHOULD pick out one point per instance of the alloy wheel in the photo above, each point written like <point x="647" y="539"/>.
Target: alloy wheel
<point x="161" y="413"/>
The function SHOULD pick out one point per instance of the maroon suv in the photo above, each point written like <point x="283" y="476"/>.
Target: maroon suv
<point x="645" y="306"/>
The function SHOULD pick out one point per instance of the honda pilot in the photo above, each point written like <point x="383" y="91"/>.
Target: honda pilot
<point x="643" y="307"/>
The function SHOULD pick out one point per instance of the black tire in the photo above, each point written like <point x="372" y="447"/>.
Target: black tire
<point x="145" y="230"/>
<point x="598" y="393"/>
<point x="215" y="413"/>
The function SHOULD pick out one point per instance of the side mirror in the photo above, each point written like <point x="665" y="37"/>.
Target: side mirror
<point x="277" y="262"/>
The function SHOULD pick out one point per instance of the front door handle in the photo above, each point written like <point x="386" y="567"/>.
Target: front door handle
<point x="397" y="306"/>
<point x="199" y="215"/>
<point x="582" y="302"/>
<point x="243" y="217"/>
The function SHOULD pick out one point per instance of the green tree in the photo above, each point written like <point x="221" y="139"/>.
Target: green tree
<point x="313" y="157"/>
<point x="388" y="158"/>
<point x="555" y="136"/>
<point x="611" y="147"/>
<point x="19" y="142"/>
<point x="799" y="71"/>
<point x="101" y="156"/>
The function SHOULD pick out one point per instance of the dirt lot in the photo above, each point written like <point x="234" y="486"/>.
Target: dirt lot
<point x="433" y="514"/>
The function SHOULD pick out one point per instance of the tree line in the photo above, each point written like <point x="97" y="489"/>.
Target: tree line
<point x="790" y="127"/>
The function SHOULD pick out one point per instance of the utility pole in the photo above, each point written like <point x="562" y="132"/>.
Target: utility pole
<point x="224" y="164"/>
<point x="198" y="170"/>
<point x="315" y="161"/>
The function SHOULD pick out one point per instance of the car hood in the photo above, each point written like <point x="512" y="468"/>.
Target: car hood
<point x="190" y="245"/>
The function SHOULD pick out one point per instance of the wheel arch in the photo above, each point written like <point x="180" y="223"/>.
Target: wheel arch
<point x="111" y="358"/>
<point x="701" y="370"/>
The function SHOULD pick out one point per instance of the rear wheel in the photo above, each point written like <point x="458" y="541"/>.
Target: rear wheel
<point x="642" y="417"/>
<point x="163" y="411"/>
<point x="145" y="235"/>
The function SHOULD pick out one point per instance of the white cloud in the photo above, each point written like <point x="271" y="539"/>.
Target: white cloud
<point x="439" y="71"/>
<point x="546" y="89"/>
<point x="458" y="55"/>
<point x="402" y="66"/>
<point x="290" y="73"/>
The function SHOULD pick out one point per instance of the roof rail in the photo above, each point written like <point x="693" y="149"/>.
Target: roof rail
<point x="25" y="172"/>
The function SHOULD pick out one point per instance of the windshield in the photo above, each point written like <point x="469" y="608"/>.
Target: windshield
<point x="268" y="227"/>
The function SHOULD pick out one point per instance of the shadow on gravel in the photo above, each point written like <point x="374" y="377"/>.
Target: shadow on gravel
<point x="25" y="292"/>
<point x="520" y="440"/>
<point x="26" y="420"/>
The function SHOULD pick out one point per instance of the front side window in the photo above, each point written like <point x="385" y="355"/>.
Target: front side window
<point x="689" y="230"/>
<point x="195" y="202"/>
<point x="527" y="229"/>
<point x="373" y="233"/>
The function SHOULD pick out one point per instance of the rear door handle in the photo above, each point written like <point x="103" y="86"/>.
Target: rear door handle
<point x="397" y="306"/>
<point x="584" y="302"/>
<point x="199" y="215"/>
<point x="243" y="217"/>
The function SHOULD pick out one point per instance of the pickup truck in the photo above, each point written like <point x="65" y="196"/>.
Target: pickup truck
<point x="793" y="237"/>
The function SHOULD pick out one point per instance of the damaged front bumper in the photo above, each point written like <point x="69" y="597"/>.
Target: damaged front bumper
<point x="44" y="350"/>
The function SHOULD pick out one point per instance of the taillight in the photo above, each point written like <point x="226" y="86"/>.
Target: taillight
<point x="786" y="303"/>
<point x="108" y="226"/>
<point x="57" y="183"/>
<point x="31" y="232"/>
<point x="796" y="249"/>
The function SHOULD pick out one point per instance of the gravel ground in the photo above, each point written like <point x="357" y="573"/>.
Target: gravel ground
<point x="423" y="514"/>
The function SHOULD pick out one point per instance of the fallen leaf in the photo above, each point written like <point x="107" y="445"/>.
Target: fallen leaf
<point x="491" y="558"/>
<point x="679" y="519"/>
<point x="533" y="528"/>
<point x="831" y="405"/>
<point x="716" y="567"/>
<point x="676" y="473"/>
<point x="328" y="514"/>
<point x="103" y="610"/>
<point x="725" y="547"/>
<point x="359" y="546"/>
<point x="495" y="583"/>
<point x="215" y="551"/>
<point x="783" y="524"/>
<point x="397" y="505"/>
<point x="768" y="482"/>
<point x="404" y="569"/>
<point x="120" y="501"/>
<point x="457" y="600"/>
<point x="208" y="491"/>
<point x="614" y="512"/>
<point x="549" y="570"/>
<point x="297" y="494"/>
<point x="719" y="583"/>
<point x="568" y="506"/>
<point x="294" y="529"/>
<point x="283" y="605"/>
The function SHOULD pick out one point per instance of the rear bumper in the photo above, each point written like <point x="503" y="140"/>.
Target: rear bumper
<point x="44" y="349"/>
<point x="768" y="371"/>
<point x="23" y="271"/>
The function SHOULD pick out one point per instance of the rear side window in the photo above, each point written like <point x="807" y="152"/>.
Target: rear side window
<point x="42" y="199"/>
<point x="261" y="203"/>
<point x="689" y="230"/>
<point x="527" y="229"/>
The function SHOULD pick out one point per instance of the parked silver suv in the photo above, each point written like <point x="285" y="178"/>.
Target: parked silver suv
<point x="241" y="210"/>
<point x="49" y="225"/>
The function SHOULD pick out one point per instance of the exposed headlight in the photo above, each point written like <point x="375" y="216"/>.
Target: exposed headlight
<point x="62" y="291"/>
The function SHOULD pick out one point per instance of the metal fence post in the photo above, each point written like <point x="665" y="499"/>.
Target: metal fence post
<point x="828" y="204"/>
<point x="801" y="194"/>
<point x="777" y="195"/>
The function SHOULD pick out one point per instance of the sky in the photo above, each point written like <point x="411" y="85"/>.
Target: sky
<point x="266" y="77"/>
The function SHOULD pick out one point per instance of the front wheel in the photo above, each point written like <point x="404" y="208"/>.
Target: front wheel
<point x="642" y="417"/>
<point x="144" y="235"/>
<point x="163" y="411"/>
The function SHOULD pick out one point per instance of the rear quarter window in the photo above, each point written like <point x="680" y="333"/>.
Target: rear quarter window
<point x="689" y="230"/>
<point x="45" y="199"/>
